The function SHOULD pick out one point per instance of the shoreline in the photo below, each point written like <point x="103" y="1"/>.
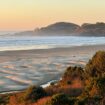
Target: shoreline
<point x="96" y="45"/>
<point x="5" y="56"/>
<point x="40" y="51"/>
<point x="16" y="91"/>
<point x="41" y="66"/>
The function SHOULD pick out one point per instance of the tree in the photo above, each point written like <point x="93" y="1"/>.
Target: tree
<point x="74" y="72"/>
<point x="34" y="93"/>
<point x="96" y="66"/>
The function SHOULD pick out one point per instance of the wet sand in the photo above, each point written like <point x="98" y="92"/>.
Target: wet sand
<point x="19" y="69"/>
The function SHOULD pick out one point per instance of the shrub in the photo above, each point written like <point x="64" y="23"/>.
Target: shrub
<point x="71" y="74"/>
<point x="4" y="100"/>
<point x="58" y="99"/>
<point x="96" y="66"/>
<point x="95" y="87"/>
<point x="34" y="93"/>
<point x="101" y="85"/>
<point x="72" y="100"/>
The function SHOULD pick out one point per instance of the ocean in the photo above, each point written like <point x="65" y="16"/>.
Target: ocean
<point x="33" y="42"/>
<point x="18" y="71"/>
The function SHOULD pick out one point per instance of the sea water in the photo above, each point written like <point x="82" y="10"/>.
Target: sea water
<point x="46" y="42"/>
<point x="21" y="72"/>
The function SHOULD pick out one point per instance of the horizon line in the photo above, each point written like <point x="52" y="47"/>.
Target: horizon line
<point x="22" y="30"/>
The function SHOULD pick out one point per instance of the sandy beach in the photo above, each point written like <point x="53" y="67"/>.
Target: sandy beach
<point x="19" y="69"/>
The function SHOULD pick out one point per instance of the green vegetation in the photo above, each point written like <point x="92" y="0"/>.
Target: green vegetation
<point x="4" y="99"/>
<point x="58" y="99"/>
<point x="34" y="93"/>
<point x="79" y="86"/>
<point x="74" y="72"/>
<point x="96" y="66"/>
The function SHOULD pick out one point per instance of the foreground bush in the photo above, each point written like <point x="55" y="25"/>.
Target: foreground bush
<point x="74" y="72"/>
<point x="4" y="100"/>
<point x="71" y="74"/>
<point x="96" y="86"/>
<point x="58" y="99"/>
<point x="34" y="93"/>
<point x="96" y="66"/>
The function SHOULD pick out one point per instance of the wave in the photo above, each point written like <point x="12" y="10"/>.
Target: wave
<point x="8" y="43"/>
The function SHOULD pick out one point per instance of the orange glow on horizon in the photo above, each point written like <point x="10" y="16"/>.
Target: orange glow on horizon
<point x="29" y="14"/>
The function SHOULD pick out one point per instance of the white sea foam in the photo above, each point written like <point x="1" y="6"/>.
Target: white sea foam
<point x="31" y="42"/>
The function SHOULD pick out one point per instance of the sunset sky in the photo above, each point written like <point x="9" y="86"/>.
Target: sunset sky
<point x="29" y="14"/>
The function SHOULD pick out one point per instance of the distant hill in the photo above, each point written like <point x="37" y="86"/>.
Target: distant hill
<point x="68" y="29"/>
<point x="25" y="33"/>
<point x="60" y="28"/>
<point x="87" y="29"/>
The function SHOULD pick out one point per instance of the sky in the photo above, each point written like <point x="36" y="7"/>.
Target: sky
<point x="29" y="14"/>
